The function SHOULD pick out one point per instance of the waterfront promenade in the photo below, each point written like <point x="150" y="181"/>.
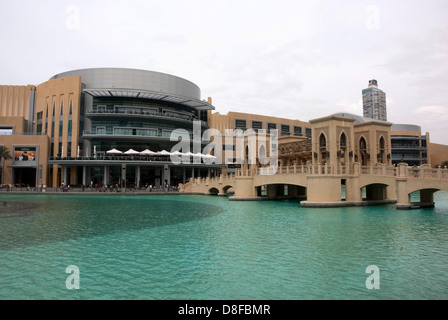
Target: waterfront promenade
<point x="88" y="190"/>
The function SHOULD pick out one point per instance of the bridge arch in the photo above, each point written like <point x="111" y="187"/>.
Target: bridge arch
<point x="213" y="191"/>
<point x="374" y="192"/>
<point x="431" y="185"/>
<point x="423" y="197"/>
<point x="226" y="189"/>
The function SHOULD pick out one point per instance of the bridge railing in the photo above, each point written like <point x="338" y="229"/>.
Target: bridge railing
<point x="379" y="170"/>
<point x="427" y="173"/>
<point x="328" y="169"/>
<point x="284" y="170"/>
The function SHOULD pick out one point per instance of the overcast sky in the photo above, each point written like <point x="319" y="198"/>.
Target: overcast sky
<point x="289" y="58"/>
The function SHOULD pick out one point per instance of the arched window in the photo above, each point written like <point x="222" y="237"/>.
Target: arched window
<point x="323" y="148"/>
<point x="342" y="145"/>
<point x="343" y="141"/>
<point x="362" y="144"/>
<point x="363" y="151"/>
<point x="382" y="150"/>
<point x="322" y="141"/>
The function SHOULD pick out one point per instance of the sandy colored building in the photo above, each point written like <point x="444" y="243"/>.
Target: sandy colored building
<point x="28" y="149"/>
<point x="439" y="154"/>
<point x="288" y="132"/>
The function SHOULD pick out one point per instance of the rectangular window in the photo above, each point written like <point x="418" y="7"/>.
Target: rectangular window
<point x="257" y="125"/>
<point x="308" y="133"/>
<point x="297" y="131"/>
<point x="123" y="131"/>
<point x="272" y="126"/>
<point x="285" y="130"/>
<point x="240" y="124"/>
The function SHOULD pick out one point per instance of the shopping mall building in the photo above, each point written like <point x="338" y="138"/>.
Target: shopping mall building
<point x="61" y="130"/>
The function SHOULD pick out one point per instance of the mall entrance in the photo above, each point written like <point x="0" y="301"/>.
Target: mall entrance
<point x="24" y="177"/>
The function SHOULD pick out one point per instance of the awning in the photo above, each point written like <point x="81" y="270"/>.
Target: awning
<point x="153" y="95"/>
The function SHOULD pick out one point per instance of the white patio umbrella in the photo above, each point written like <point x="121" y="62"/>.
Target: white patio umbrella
<point x="114" y="151"/>
<point x="164" y="153"/>
<point x="148" y="152"/>
<point x="131" y="152"/>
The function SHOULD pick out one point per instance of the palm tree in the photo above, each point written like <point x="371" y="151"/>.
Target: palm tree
<point x="4" y="155"/>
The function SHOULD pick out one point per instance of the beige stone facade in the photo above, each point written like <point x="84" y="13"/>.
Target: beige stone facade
<point x="438" y="154"/>
<point x="58" y="117"/>
<point x="42" y="119"/>
<point x="337" y="140"/>
<point x="16" y="122"/>
<point x="15" y="101"/>
<point x="334" y="177"/>
<point x="289" y="132"/>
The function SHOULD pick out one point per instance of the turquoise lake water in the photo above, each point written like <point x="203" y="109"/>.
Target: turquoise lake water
<point x="168" y="247"/>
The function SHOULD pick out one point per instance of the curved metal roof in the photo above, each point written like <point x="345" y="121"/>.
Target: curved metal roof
<point x="147" y="94"/>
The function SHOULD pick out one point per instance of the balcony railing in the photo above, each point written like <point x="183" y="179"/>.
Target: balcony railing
<point x="145" y="114"/>
<point x="408" y="157"/>
<point x="408" y="147"/>
<point x="163" y="135"/>
<point x="121" y="158"/>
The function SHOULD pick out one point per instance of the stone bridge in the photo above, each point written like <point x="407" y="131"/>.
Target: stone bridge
<point x="330" y="186"/>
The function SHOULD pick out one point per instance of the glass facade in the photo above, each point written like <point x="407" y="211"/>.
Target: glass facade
<point x="408" y="149"/>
